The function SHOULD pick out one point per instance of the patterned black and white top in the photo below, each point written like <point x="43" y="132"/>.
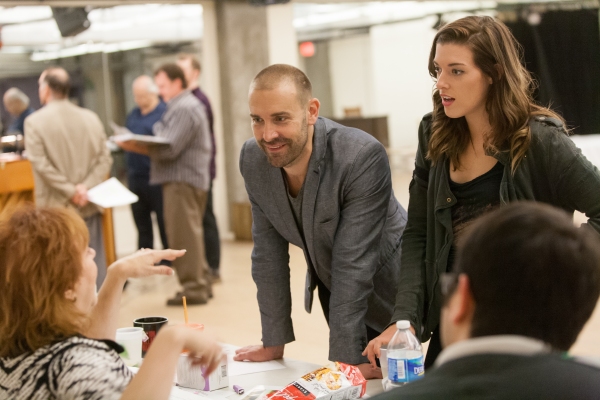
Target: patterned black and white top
<point x="75" y="368"/>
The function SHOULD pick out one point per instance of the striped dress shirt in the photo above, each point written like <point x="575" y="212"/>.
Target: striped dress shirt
<point x="187" y="159"/>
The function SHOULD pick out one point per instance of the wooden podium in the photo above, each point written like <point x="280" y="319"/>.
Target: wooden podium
<point x="16" y="187"/>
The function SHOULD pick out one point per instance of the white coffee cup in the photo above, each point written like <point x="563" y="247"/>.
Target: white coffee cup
<point x="131" y="339"/>
<point x="383" y="361"/>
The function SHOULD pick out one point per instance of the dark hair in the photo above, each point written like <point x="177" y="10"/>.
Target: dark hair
<point x="509" y="102"/>
<point x="40" y="258"/>
<point x="531" y="273"/>
<point x="195" y="63"/>
<point x="58" y="81"/>
<point x="270" y="77"/>
<point x="173" y="72"/>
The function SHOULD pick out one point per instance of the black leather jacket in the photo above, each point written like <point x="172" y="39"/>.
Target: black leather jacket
<point x="553" y="171"/>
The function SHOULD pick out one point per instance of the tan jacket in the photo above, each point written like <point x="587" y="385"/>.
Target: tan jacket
<point x="66" y="145"/>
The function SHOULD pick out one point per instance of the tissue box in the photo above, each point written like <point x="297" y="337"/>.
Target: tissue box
<point x="195" y="377"/>
<point x="336" y="382"/>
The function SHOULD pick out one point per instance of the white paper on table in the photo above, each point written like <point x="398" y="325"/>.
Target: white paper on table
<point x="111" y="193"/>
<point x="236" y="368"/>
<point x="181" y="393"/>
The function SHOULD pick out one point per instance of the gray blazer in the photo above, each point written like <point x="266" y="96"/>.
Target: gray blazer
<point x="353" y="227"/>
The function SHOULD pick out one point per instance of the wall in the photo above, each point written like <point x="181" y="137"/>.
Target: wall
<point x="317" y="70"/>
<point x="385" y="73"/>
<point x="401" y="83"/>
<point x="351" y="74"/>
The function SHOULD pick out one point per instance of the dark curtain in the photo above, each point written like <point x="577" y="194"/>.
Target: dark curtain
<point x="29" y="86"/>
<point x="563" y="53"/>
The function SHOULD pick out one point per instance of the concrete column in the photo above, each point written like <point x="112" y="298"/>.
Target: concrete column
<point x="283" y="44"/>
<point x="243" y="51"/>
<point x="249" y="39"/>
<point x="321" y="82"/>
<point x="210" y="79"/>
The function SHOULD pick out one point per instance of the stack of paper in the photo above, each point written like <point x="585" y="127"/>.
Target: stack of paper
<point x="111" y="193"/>
<point x="122" y="134"/>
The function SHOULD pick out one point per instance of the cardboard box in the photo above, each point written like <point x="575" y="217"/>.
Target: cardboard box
<point x="194" y="377"/>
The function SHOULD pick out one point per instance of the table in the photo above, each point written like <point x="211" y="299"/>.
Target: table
<point x="293" y="370"/>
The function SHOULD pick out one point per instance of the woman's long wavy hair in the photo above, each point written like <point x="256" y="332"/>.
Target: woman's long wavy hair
<point x="509" y="103"/>
<point x="40" y="259"/>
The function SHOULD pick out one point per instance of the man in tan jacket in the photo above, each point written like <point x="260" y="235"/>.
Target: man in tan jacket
<point x="66" y="145"/>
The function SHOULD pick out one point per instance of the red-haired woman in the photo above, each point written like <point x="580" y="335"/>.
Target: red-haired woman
<point x="485" y="144"/>
<point x="56" y="333"/>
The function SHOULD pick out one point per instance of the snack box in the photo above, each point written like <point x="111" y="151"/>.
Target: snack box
<point x="338" y="381"/>
<point x="194" y="377"/>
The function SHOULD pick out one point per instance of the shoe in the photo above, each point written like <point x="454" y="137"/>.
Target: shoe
<point x="190" y="300"/>
<point x="215" y="275"/>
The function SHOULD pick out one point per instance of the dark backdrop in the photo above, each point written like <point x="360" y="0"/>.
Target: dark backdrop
<point x="29" y="85"/>
<point x="563" y="53"/>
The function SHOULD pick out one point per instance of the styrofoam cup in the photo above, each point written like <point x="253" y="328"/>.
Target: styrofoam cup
<point x="131" y="339"/>
<point x="383" y="361"/>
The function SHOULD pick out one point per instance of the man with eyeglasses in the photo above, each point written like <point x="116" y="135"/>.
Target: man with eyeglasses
<point x="524" y="284"/>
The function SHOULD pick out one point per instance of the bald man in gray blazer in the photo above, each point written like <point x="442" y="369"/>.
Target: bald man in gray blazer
<point x="327" y="189"/>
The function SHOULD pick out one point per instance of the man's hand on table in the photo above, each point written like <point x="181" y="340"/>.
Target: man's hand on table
<point x="370" y="372"/>
<point x="259" y="353"/>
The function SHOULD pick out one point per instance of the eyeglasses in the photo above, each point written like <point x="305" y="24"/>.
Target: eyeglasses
<point x="448" y="283"/>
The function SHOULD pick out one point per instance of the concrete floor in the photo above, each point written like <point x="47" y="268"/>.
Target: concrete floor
<point x="233" y="316"/>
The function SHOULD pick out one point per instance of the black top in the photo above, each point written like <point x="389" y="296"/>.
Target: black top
<point x="473" y="199"/>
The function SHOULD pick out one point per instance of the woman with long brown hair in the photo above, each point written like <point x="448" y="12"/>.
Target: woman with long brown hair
<point x="485" y="144"/>
<point x="56" y="334"/>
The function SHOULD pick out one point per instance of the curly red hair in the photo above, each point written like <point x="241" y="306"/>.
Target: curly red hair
<point x="40" y="259"/>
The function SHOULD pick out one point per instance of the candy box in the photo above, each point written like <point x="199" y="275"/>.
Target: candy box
<point x="194" y="377"/>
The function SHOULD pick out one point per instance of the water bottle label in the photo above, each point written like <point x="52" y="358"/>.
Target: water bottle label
<point x="402" y="370"/>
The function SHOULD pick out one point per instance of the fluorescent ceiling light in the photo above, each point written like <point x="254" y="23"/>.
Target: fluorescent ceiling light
<point x="364" y="14"/>
<point x="89" y="48"/>
<point x="17" y="15"/>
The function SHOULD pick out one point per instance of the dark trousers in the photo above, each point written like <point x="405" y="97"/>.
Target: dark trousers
<point x="151" y="200"/>
<point x="325" y="296"/>
<point x="434" y="349"/>
<point x="212" y="244"/>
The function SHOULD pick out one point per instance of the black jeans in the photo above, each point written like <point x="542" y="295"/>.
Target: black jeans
<point x="212" y="244"/>
<point x="434" y="349"/>
<point x="151" y="199"/>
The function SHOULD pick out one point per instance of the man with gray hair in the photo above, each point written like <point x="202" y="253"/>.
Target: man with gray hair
<point x="140" y="120"/>
<point x="66" y="146"/>
<point x="17" y="104"/>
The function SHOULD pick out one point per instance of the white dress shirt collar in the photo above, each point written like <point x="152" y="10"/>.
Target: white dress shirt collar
<point x="499" y="344"/>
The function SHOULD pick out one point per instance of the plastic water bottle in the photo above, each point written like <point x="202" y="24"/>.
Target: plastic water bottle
<point x="405" y="357"/>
